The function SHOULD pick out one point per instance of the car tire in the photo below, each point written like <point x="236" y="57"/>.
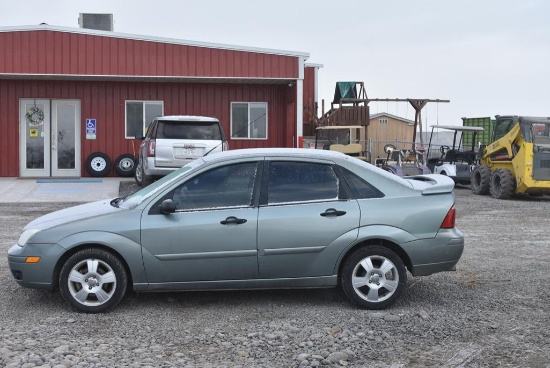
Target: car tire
<point x="93" y="280"/>
<point x="373" y="277"/>
<point x="98" y="164"/>
<point x="481" y="180"/>
<point x="142" y="179"/>
<point x="503" y="184"/>
<point x="125" y="165"/>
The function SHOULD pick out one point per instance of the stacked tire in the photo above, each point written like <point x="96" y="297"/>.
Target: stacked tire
<point x="98" y="164"/>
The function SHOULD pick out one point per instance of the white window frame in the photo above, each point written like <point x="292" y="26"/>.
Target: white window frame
<point x="145" y="123"/>
<point x="383" y="121"/>
<point x="248" y="123"/>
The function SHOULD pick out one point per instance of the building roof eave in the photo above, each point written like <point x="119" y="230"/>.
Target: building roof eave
<point x="93" y="32"/>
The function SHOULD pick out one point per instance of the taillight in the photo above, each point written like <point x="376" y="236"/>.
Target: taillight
<point x="449" y="221"/>
<point x="151" y="148"/>
<point x="225" y="146"/>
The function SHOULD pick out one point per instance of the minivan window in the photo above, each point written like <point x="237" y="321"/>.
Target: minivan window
<point x="197" y="130"/>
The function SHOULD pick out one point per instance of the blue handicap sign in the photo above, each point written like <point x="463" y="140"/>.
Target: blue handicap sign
<point x="90" y="126"/>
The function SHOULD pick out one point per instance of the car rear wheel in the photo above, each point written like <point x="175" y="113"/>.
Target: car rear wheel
<point x="503" y="184"/>
<point x="142" y="179"/>
<point x="481" y="180"/>
<point x="93" y="280"/>
<point x="373" y="277"/>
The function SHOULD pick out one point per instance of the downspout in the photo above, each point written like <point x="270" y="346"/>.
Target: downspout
<point x="300" y="103"/>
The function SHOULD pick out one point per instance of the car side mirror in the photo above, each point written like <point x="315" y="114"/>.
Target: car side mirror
<point x="167" y="206"/>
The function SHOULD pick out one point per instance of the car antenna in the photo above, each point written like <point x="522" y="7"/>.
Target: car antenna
<point x="237" y="132"/>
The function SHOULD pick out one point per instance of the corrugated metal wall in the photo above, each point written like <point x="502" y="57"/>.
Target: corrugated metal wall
<point x="54" y="52"/>
<point x="105" y="101"/>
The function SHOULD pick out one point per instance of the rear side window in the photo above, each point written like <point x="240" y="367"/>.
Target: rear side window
<point x="359" y="187"/>
<point x="195" y="130"/>
<point x="300" y="182"/>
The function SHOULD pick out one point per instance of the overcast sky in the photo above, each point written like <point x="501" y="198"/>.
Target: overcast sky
<point x="487" y="56"/>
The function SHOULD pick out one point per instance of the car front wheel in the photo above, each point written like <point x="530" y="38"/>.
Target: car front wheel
<point x="373" y="277"/>
<point x="93" y="280"/>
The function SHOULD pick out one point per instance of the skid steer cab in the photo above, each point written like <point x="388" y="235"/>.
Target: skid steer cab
<point x="518" y="159"/>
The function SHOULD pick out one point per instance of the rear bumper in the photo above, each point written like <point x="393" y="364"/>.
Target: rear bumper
<point x="439" y="254"/>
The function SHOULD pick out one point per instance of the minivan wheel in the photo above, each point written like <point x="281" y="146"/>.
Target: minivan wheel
<point x="98" y="164"/>
<point x="125" y="165"/>
<point x="373" y="277"/>
<point x="93" y="280"/>
<point x="142" y="179"/>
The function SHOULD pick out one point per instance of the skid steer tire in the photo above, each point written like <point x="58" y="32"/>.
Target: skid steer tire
<point x="503" y="184"/>
<point x="481" y="180"/>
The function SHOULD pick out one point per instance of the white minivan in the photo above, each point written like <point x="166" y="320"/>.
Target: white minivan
<point x="173" y="141"/>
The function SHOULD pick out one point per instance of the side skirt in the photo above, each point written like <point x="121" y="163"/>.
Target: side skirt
<point x="294" y="283"/>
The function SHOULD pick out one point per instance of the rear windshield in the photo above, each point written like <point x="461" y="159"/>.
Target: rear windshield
<point x="196" y="130"/>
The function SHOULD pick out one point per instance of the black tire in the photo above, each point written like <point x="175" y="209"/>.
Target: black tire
<point x="98" y="164"/>
<point x="380" y="290"/>
<point x="125" y="165"/>
<point x="481" y="180"/>
<point x="142" y="179"/>
<point x="89" y="290"/>
<point x="503" y="184"/>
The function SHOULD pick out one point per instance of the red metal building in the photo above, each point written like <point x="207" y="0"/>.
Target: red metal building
<point x="66" y="93"/>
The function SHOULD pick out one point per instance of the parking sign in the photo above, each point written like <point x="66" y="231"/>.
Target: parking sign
<point x="90" y="128"/>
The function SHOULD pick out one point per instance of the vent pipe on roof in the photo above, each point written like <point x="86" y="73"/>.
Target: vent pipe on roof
<point x="101" y="22"/>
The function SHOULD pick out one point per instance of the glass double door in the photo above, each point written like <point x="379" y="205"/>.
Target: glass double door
<point x="49" y="138"/>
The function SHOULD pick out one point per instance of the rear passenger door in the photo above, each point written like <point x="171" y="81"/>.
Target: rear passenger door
<point x="305" y="219"/>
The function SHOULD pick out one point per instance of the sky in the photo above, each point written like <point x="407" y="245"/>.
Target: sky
<point x="487" y="57"/>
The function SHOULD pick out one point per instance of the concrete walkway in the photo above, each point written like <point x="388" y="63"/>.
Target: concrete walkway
<point x="14" y="190"/>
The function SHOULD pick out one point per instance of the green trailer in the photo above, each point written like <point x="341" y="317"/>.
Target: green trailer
<point x="483" y="138"/>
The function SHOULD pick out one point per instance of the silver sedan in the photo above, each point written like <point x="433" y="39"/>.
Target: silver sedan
<point x="249" y="219"/>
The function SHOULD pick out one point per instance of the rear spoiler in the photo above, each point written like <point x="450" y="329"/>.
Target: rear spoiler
<point x="437" y="183"/>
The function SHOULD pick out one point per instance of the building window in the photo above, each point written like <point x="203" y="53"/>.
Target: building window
<point x="383" y="121"/>
<point x="249" y="120"/>
<point x="139" y="115"/>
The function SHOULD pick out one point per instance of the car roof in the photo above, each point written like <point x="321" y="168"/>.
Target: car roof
<point x="330" y="127"/>
<point x="186" y="118"/>
<point x="282" y="152"/>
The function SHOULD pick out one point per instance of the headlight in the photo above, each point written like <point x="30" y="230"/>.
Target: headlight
<point x="24" y="238"/>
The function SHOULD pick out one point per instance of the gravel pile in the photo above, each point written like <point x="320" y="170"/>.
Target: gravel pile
<point x="493" y="311"/>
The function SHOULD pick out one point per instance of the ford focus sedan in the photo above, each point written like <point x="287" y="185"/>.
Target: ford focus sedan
<point x="248" y="219"/>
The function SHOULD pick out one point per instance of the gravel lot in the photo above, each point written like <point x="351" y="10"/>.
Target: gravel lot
<point x="493" y="311"/>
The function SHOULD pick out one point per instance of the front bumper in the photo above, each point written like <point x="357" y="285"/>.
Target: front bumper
<point x="439" y="254"/>
<point x="38" y="275"/>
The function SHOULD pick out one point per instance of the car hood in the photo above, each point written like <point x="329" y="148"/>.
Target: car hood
<point x="72" y="214"/>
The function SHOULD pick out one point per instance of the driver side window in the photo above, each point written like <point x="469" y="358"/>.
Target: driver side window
<point x="225" y="186"/>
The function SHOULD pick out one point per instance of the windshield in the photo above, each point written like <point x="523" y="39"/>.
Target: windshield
<point x="334" y="136"/>
<point x="502" y="127"/>
<point x="197" y="130"/>
<point x="135" y="199"/>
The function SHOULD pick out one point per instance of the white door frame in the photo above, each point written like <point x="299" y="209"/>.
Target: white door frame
<point x="46" y="136"/>
<point x="65" y="144"/>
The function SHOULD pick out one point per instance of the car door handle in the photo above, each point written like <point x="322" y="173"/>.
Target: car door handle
<point x="233" y="220"/>
<point x="331" y="212"/>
